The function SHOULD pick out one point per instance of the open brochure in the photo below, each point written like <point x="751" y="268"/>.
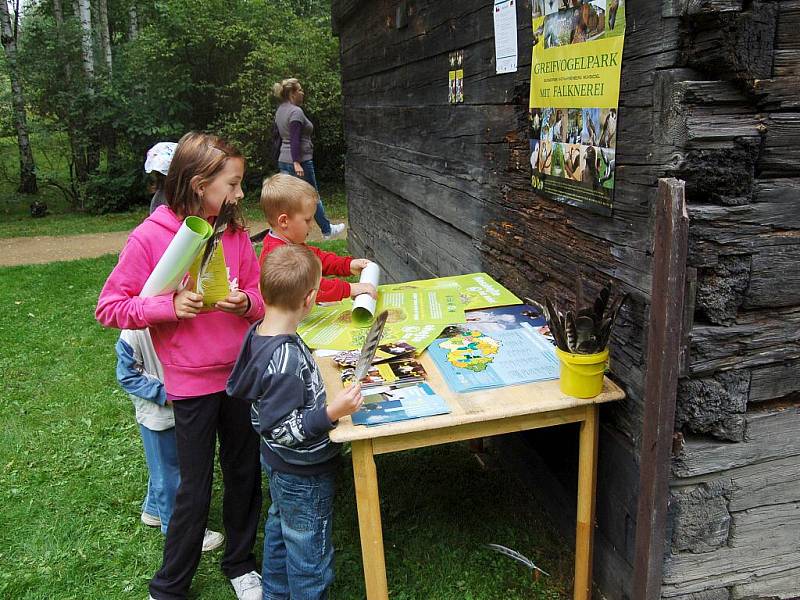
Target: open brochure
<point x="401" y="404"/>
<point x="494" y="348"/>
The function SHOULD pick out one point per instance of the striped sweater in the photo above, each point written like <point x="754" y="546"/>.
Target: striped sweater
<point x="278" y="375"/>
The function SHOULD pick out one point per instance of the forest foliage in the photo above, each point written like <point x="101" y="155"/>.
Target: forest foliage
<point x="177" y="65"/>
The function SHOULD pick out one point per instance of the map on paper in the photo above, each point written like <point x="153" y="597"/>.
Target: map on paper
<point x="495" y="348"/>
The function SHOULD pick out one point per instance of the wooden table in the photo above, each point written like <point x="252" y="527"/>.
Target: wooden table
<point x="474" y="415"/>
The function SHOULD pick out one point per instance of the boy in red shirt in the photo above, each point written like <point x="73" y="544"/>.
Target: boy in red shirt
<point x="289" y="204"/>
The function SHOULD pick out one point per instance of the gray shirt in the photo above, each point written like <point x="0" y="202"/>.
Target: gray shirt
<point x="284" y="116"/>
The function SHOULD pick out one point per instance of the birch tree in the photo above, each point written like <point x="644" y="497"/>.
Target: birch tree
<point x="133" y="22"/>
<point x="83" y="9"/>
<point x="27" y="168"/>
<point x="105" y="37"/>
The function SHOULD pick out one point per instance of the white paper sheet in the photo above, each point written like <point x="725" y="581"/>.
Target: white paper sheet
<point x="177" y="258"/>
<point x="505" y="35"/>
<point x="364" y="304"/>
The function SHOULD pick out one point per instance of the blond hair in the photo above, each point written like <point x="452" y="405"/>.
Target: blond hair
<point x="288" y="274"/>
<point x="284" y="89"/>
<point x="286" y="194"/>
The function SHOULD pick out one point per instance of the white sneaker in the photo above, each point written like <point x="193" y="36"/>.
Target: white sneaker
<point x="247" y="586"/>
<point x="151" y="520"/>
<point x="336" y="229"/>
<point x="212" y="540"/>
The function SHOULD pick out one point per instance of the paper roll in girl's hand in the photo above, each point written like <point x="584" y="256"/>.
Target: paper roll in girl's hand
<point x="364" y="304"/>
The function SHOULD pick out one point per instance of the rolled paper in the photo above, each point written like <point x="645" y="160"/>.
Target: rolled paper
<point x="364" y="304"/>
<point x="179" y="255"/>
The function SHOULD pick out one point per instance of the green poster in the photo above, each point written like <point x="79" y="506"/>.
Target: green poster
<point x="575" y="81"/>
<point x="417" y="315"/>
<point x="477" y="290"/>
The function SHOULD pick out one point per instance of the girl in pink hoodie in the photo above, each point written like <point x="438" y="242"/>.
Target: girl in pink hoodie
<point x="198" y="349"/>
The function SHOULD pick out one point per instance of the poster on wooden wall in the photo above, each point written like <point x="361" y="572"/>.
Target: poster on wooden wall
<point x="575" y="81"/>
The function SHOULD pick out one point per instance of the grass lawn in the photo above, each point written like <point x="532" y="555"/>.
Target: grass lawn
<point x="73" y="476"/>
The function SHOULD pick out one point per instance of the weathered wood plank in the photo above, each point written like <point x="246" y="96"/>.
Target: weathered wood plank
<point x="404" y="239"/>
<point x="781" y="153"/>
<point x="783" y="585"/>
<point x="734" y="44"/>
<point x="779" y="93"/>
<point x="762" y="542"/>
<point x="775" y="275"/>
<point x="770" y="435"/>
<point x="764" y="484"/>
<point x="664" y="341"/>
<point x="774" y="381"/>
<point x="757" y="339"/>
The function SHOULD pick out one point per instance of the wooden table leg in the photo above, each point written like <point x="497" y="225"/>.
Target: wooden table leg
<point x="587" y="481"/>
<point x="369" y="520"/>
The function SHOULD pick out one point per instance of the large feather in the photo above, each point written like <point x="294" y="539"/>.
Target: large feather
<point x="516" y="556"/>
<point x="571" y="331"/>
<point x="226" y="214"/>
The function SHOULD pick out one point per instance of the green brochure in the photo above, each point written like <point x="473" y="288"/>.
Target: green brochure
<point x="417" y="315"/>
<point x="477" y="290"/>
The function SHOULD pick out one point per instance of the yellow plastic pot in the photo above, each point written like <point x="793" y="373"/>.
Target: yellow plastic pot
<point x="582" y="374"/>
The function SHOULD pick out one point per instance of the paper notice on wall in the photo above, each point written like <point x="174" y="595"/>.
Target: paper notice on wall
<point x="505" y="35"/>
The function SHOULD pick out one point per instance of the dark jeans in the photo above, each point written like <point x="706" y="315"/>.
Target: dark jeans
<point x="298" y="551"/>
<point x="310" y="177"/>
<point x="198" y="422"/>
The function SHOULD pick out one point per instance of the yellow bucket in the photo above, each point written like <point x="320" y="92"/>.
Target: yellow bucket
<point x="582" y="374"/>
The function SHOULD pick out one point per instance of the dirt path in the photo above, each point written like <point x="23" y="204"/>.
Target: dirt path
<point x="44" y="249"/>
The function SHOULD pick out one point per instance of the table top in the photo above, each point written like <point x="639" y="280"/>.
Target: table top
<point x="472" y="407"/>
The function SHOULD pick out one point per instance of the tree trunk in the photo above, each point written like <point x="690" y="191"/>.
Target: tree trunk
<point x="58" y="14"/>
<point x="133" y="24"/>
<point x="84" y="13"/>
<point x="105" y="37"/>
<point x="27" y="168"/>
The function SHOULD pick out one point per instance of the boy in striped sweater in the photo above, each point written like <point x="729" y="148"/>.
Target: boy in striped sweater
<point x="277" y="374"/>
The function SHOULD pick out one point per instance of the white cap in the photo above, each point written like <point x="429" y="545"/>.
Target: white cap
<point x="159" y="157"/>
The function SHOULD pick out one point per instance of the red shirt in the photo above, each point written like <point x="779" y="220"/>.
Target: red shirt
<point x="330" y="290"/>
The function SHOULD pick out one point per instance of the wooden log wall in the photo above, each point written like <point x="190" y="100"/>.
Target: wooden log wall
<point x="709" y="95"/>
<point x="736" y="473"/>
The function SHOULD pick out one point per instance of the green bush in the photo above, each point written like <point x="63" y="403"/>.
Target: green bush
<point x="204" y="66"/>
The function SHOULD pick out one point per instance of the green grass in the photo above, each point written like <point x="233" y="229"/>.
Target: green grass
<point x="72" y="478"/>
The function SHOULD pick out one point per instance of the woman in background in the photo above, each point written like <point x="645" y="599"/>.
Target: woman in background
<point x="297" y="150"/>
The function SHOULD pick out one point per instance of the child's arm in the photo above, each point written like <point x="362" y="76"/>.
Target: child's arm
<point x="332" y="263"/>
<point x="120" y="305"/>
<point x="132" y="377"/>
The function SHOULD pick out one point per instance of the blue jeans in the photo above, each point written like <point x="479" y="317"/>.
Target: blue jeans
<point x="162" y="462"/>
<point x="310" y="177"/>
<point x="298" y="550"/>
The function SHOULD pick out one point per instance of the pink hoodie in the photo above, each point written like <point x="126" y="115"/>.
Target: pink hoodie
<point x="197" y="354"/>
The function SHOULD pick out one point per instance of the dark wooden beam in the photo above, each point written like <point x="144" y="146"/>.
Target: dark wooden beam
<point x="664" y="343"/>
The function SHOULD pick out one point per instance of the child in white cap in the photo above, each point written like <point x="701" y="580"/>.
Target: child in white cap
<point x="157" y="165"/>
